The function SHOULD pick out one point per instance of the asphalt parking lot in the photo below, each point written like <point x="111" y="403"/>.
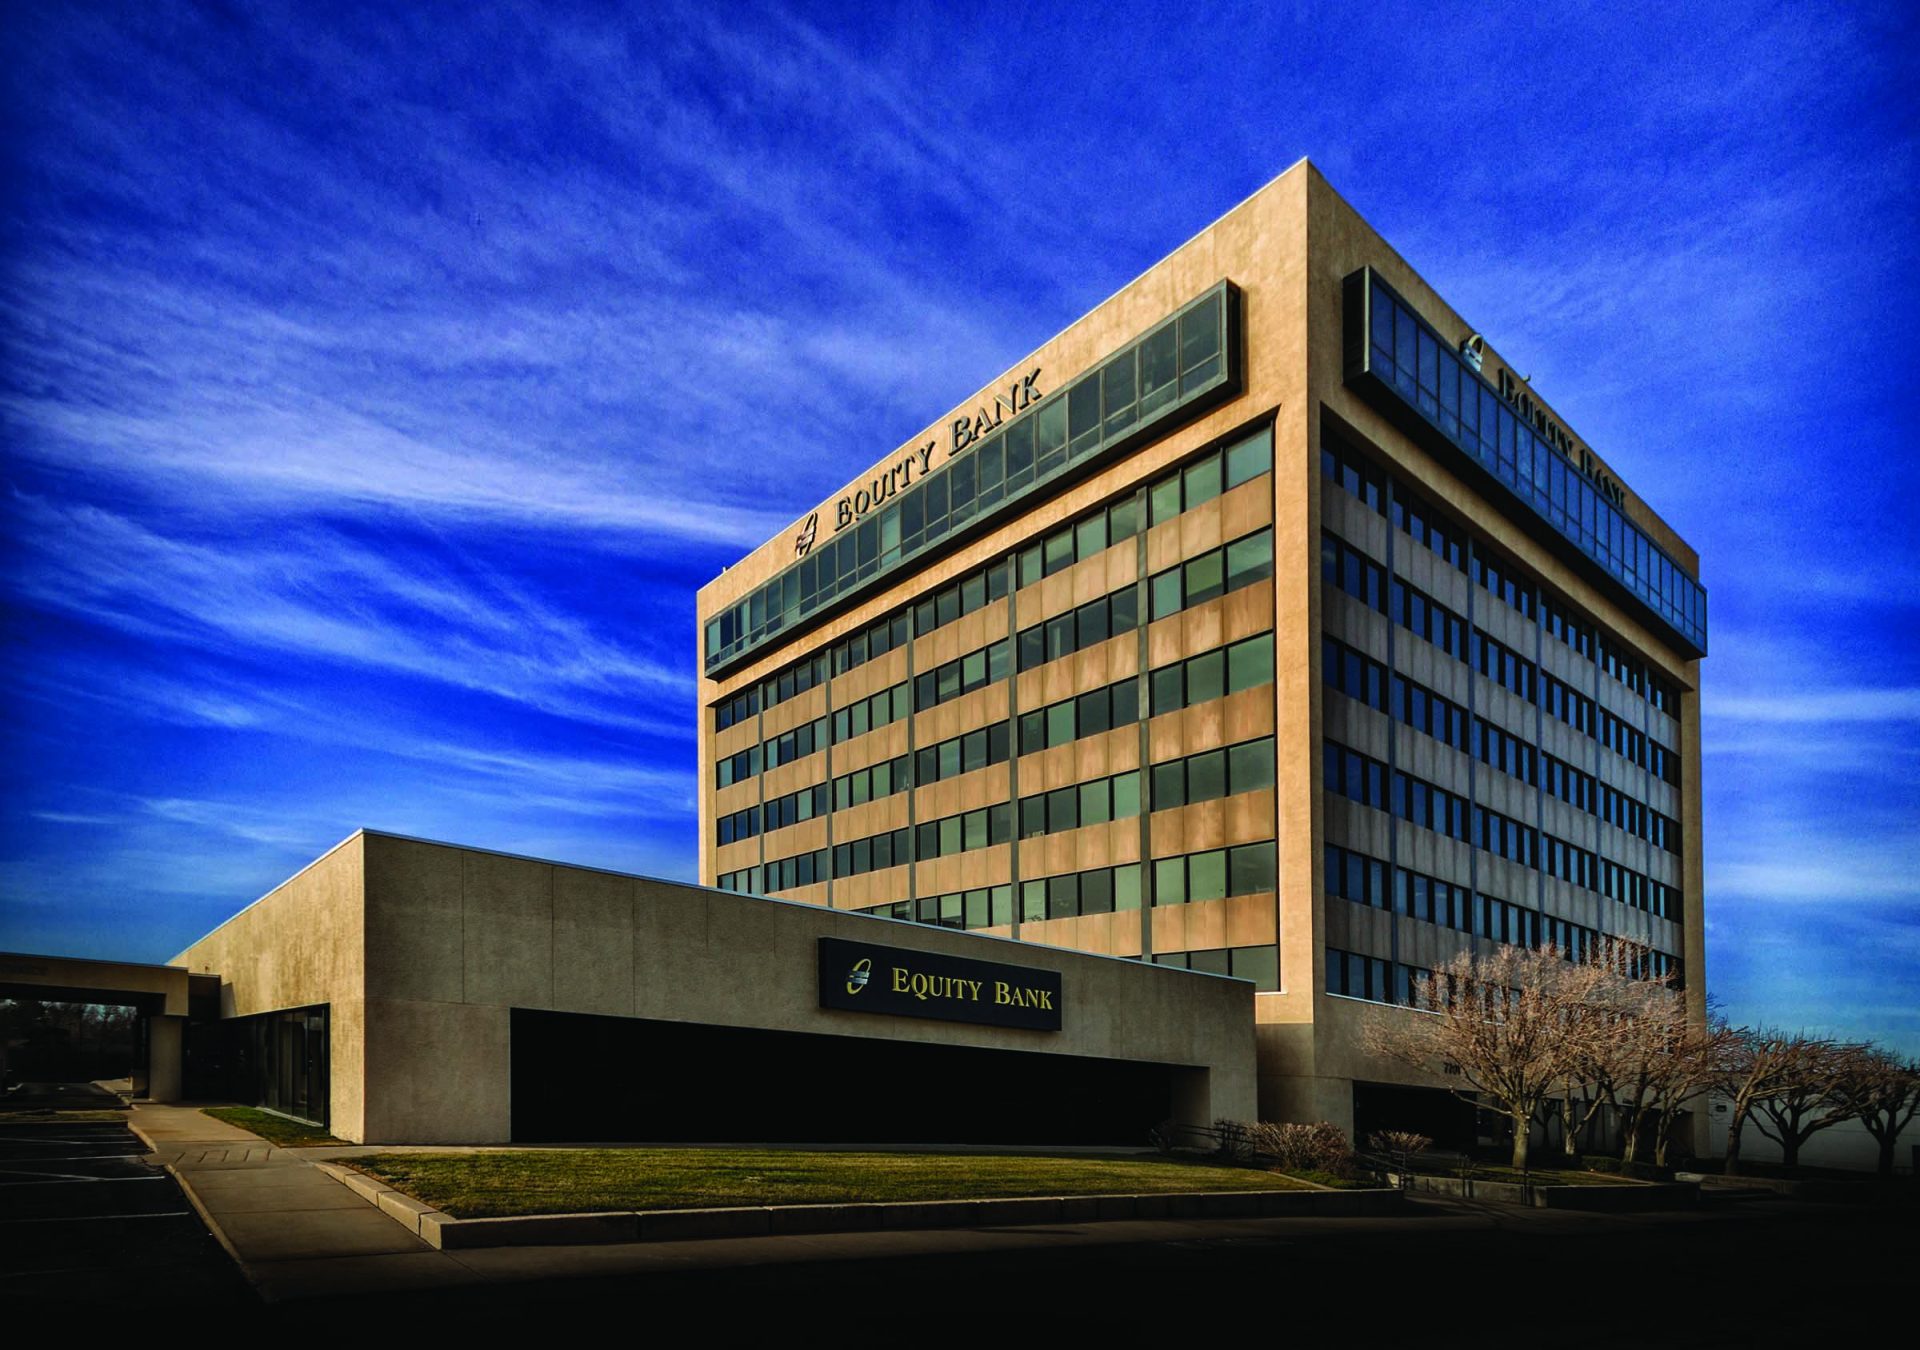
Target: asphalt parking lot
<point x="84" y="1221"/>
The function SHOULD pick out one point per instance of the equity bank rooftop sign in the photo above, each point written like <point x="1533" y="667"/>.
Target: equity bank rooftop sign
<point x="864" y="977"/>
<point x="916" y="463"/>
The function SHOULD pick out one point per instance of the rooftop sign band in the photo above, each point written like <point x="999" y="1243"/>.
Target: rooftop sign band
<point x="1020" y="442"/>
<point x="897" y="981"/>
<point x="1408" y="370"/>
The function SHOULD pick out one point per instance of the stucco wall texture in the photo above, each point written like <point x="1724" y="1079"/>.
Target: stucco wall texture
<point x="423" y="949"/>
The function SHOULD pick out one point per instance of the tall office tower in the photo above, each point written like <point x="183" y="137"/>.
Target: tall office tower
<point x="1264" y="622"/>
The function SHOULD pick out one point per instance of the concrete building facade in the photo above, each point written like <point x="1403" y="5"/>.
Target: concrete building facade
<point x="460" y="995"/>
<point x="1265" y="622"/>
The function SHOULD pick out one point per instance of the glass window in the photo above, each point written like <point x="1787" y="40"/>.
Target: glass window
<point x="1163" y="500"/>
<point x="1090" y="535"/>
<point x="1207" y="776"/>
<point x="1169" y="785"/>
<point x="1126" y="795"/>
<point x="1063" y="809"/>
<point x="1250" y="663"/>
<point x="1206" y="677"/>
<point x="1165" y="593"/>
<point x="1207" y="876"/>
<point x="1250" y="766"/>
<point x="1249" y="559"/>
<point x="1259" y="964"/>
<point x="1060" y="723"/>
<point x="1126" y="887"/>
<point x="1169" y="881"/>
<point x="1202" y="481"/>
<point x="1096" y="803"/>
<point x="1204" y="578"/>
<point x="1253" y="869"/>
<point x="1168" y="689"/>
<point x="1249" y="458"/>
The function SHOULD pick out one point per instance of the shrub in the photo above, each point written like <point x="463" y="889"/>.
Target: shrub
<point x="1400" y="1145"/>
<point x="1320" y="1147"/>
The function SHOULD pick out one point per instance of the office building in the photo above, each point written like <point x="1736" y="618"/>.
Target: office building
<point x="1265" y="622"/>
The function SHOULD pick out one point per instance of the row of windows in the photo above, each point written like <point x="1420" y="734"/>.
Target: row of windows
<point x="1365" y="680"/>
<point x="1639" y="819"/>
<point x="981" y="907"/>
<point x="1088" y="714"/>
<point x="1197" y="482"/>
<point x="1346" y="567"/>
<point x="960" y="598"/>
<point x="874" y="783"/>
<point x="1241" y="665"/>
<point x="1364" y="880"/>
<point x="1068" y="808"/>
<point x="1245" y="664"/>
<point x="1213" y="774"/>
<point x="1259" y="964"/>
<point x="1201" y="480"/>
<point x="949" y="681"/>
<point x="1351" y="975"/>
<point x="1181" y="360"/>
<point x="1246" y="870"/>
<point x="1087" y="537"/>
<point x="1204" y="777"/>
<point x="797" y="744"/>
<point x="1501" y="664"/>
<point x="1566" y="626"/>
<point x="1078" y="629"/>
<point x="869" y="644"/>
<point x="772" y="691"/>
<point x="1249" y="869"/>
<point x="1502" y="583"/>
<point x="1506" y="752"/>
<point x="870" y="713"/>
<point x="962" y="754"/>
<point x="777" y="814"/>
<point x="1342" y="465"/>
<point x="1366" y="780"/>
<point x="1216" y="572"/>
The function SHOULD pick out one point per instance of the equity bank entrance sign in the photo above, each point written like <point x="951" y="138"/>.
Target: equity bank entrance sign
<point x="864" y="977"/>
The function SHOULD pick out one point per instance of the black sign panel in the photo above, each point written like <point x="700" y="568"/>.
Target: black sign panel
<point x="866" y="977"/>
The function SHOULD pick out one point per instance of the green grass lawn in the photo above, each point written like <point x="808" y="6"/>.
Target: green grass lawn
<point x="92" y="1115"/>
<point x="567" y="1181"/>
<point x="276" y="1130"/>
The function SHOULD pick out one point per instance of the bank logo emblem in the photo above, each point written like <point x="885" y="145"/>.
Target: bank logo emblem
<point x="857" y="977"/>
<point x="804" y="540"/>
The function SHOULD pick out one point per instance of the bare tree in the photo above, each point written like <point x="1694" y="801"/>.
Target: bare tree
<point x="1812" y="1101"/>
<point x="1882" y="1092"/>
<point x="1663" y="1062"/>
<point x="1761" y="1065"/>
<point x="1510" y="1025"/>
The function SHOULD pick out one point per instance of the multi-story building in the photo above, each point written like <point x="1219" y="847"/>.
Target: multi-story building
<point x="1264" y="622"/>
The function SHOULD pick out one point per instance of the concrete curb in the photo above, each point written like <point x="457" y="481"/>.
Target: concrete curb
<point x="446" y="1233"/>
<point x="1618" y="1198"/>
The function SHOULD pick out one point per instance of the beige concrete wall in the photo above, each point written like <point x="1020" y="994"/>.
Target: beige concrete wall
<point x="303" y="943"/>
<point x="456" y="938"/>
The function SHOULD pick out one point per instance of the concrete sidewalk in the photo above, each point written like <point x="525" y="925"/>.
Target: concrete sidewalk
<point x="294" y="1231"/>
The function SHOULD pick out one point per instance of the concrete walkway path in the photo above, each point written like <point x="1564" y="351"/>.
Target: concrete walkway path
<point x="295" y="1231"/>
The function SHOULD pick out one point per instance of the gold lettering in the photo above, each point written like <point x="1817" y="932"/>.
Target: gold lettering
<point x="899" y="980"/>
<point x="1046" y="999"/>
<point x="1001" y="993"/>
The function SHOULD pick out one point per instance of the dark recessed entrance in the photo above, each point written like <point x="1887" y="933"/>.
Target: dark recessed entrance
<point x="1434" y="1112"/>
<point x="579" y="1078"/>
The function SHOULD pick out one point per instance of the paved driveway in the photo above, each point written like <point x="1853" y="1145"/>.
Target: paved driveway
<point x="84" y="1220"/>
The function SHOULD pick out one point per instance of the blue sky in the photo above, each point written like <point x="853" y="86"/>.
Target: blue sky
<point x="376" y="389"/>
